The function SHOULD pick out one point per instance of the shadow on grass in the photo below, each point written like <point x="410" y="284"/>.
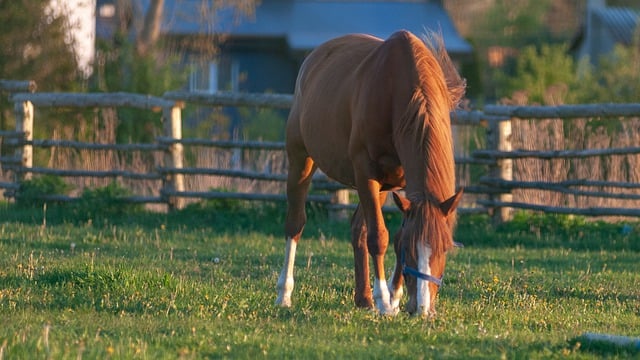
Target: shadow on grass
<point x="527" y="230"/>
<point x="100" y="289"/>
<point x="538" y="231"/>
<point x="607" y="346"/>
<point x="221" y="216"/>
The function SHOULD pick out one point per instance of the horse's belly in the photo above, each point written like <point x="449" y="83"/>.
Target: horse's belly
<point x="342" y="174"/>
<point x="331" y="156"/>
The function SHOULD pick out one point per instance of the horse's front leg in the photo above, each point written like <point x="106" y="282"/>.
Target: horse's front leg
<point x="397" y="279"/>
<point x="386" y="297"/>
<point x="362" y="296"/>
<point x="381" y="295"/>
<point x="377" y="240"/>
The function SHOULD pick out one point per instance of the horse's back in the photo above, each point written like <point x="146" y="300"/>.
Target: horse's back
<point x="330" y="62"/>
<point x="319" y="122"/>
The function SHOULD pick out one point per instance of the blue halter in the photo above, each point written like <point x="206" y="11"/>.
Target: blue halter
<point x="407" y="270"/>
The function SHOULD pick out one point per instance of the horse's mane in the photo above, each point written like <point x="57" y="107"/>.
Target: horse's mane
<point x="455" y="84"/>
<point x="439" y="91"/>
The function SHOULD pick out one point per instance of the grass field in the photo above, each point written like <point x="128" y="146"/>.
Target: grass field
<point x="200" y="283"/>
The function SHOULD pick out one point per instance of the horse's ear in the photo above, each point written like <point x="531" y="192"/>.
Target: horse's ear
<point x="401" y="202"/>
<point x="451" y="203"/>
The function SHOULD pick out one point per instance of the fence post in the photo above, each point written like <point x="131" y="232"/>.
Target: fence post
<point x="173" y="159"/>
<point x="499" y="138"/>
<point x="340" y="197"/>
<point x="23" y="111"/>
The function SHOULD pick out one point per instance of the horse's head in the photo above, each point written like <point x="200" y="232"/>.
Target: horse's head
<point x="421" y="245"/>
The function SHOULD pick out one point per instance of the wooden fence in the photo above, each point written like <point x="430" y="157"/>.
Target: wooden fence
<point x="617" y="129"/>
<point x="490" y="187"/>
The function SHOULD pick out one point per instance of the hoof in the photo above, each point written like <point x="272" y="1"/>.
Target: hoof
<point x="389" y="311"/>
<point x="284" y="302"/>
<point x="366" y="303"/>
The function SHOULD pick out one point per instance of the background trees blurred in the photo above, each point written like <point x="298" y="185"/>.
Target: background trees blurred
<point x="522" y="51"/>
<point x="137" y="59"/>
<point x="34" y="46"/>
<point x="524" y="57"/>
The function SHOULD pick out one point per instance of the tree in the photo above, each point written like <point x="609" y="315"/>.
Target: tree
<point x="516" y="23"/>
<point x="151" y="30"/>
<point x="35" y="47"/>
<point x="536" y="71"/>
<point x="541" y="73"/>
<point x="616" y="78"/>
<point x="506" y="29"/>
<point x="140" y="59"/>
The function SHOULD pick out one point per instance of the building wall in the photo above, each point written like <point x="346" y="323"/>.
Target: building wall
<point x="265" y="71"/>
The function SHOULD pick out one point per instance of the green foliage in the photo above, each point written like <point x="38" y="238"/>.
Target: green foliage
<point x="516" y="23"/>
<point x="234" y="215"/>
<point x="544" y="71"/>
<point x="262" y="124"/>
<point x="536" y="70"/>
<point x="34" y="47"/>
<point x="211" y="123"/>
<point x="230" y="205"/>
<point x="549" y="75"/>
<point x="123" y="69"/>
<point x="615" y="79"/>
<point x="104" y="202"/>
<point x="527" y="222"/>
<point x="32" y="193"/>
<point x="471" y="69"/>
<point x="510" y="25"/>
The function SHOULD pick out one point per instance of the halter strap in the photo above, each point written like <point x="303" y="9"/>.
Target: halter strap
<point x="407" y="270"/>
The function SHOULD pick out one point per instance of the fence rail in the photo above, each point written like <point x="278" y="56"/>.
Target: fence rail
<point x="15" y="86"/>
<point x="563" y="111"/>
<point x="494" y="191"/>
<point x="554" y="154"/>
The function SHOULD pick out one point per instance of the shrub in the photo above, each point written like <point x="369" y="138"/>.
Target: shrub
<point x="107" y="201"/>
<point x="38" y="191"/>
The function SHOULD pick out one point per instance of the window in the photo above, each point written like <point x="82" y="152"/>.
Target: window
<point x="235" y="76"/>
<point x="204" y="78"/>
<point x="220" y="75"/>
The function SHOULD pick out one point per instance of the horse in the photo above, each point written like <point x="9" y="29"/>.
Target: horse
<point x="374" y="115"/>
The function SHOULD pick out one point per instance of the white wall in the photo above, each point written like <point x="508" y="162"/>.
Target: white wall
<point x="81" y="15"/>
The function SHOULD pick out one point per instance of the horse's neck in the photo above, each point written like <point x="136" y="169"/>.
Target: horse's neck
<point x="416" y="187"/>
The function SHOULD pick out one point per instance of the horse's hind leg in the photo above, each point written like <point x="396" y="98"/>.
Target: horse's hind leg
<point x="362" y="296"/>
<point x="301" y="169"/>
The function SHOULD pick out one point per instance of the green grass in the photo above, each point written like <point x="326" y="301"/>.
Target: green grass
<point x="200" y="283"/>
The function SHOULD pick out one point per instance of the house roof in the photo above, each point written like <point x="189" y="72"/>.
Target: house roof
<point x="621" y="22"/>
<point x="306" y="24"/>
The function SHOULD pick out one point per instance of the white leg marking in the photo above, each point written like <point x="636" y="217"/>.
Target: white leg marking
<point x="382" y="298"/>
<point x="423" y="295"/>
<point x="285" y="281"/>
<point x="396" y="294"/>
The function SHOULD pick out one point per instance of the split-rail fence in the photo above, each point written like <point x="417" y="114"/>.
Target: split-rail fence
<point x="495" y="170"/>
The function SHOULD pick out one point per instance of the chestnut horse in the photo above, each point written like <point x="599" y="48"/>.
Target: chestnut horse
<point x="374" y="115"/>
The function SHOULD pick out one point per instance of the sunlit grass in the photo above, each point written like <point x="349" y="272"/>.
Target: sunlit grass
<point x="199" y="285"/>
